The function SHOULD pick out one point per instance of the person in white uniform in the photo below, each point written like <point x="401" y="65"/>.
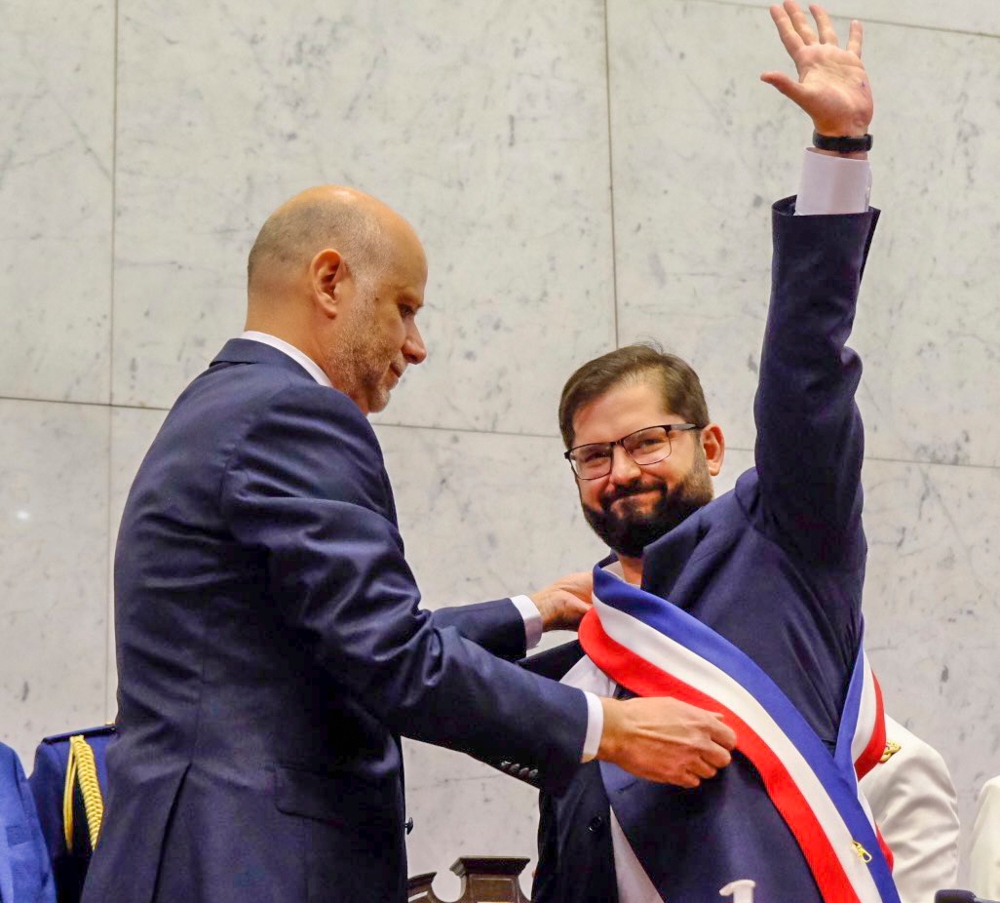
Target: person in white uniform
<point x="984" y="855"/>
<point x="914" y="803"/>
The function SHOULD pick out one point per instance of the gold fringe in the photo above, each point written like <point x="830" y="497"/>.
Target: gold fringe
<point x="82" y="768"/>
<point x="891" y="748"/>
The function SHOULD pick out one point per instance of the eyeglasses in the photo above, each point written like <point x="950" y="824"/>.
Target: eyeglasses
<point x="646" y="446"/>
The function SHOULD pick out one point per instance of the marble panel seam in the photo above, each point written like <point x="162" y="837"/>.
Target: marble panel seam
<point x="866" y="19"/>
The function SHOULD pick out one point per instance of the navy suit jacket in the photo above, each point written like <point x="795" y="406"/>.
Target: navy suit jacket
<point x="776" y="566"/>
<point x="271" y="650"/>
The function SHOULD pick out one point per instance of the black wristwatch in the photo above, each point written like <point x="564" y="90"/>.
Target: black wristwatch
<point x="843" y="144"/>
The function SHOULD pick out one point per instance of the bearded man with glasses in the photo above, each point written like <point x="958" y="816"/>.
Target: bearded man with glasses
<point x="636" y="488"/>
<point x="748" y="604"/>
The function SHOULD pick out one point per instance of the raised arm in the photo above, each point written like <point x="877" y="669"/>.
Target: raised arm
<point x="809" y="433"/>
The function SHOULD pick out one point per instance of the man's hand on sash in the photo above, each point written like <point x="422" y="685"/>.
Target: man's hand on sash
<point x="562" y="604"/>
<point x="665" y="740"/>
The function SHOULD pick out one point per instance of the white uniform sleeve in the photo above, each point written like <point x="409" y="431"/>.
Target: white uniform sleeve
<point x="984" y="855"/>
<point x="914" y="803"/>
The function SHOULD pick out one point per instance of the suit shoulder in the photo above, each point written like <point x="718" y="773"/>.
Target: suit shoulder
<point x="911" y="747"/>
<point x="304" y="439"/>
<point x="329" y="406"/>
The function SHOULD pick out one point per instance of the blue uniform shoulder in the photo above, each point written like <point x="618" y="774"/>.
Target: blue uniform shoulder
<point x="88" y="733"/>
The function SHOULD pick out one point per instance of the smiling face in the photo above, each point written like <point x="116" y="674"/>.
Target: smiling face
<point x="634" y="505"/>
<point x="378" y="336"/>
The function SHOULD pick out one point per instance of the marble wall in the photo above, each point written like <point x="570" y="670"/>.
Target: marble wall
<point x="583" y="174"/>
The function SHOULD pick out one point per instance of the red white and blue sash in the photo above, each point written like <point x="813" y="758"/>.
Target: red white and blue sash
<point x="655" y="648"/>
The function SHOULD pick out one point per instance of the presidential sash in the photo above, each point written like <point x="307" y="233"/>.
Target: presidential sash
<point x="654" y="648"/>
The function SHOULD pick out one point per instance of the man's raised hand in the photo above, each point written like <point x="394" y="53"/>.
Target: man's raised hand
<point x="833" y="86"/>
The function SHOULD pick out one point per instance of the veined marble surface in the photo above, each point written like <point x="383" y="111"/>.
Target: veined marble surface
<point x="514" y="497"/>
<point x="56" y="165"/>
<point x="975" y="16"/>
<point x="932" y="605"/>
<point x="698" y="162"/>
<point x="487" y="130"/>
<point x="53" y="571"/>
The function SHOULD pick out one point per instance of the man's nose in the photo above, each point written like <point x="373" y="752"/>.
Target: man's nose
<point x="623" y="468"/>
<point x="414" y="349"/>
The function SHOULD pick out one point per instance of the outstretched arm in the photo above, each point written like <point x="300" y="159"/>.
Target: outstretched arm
<point x="510" y="630"/>
<point x="809" y="433"/>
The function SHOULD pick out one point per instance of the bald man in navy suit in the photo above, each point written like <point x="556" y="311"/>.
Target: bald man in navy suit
<point x="271" y="649"/>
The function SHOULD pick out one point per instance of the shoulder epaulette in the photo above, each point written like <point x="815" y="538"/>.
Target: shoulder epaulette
<point x="88" y="732"/>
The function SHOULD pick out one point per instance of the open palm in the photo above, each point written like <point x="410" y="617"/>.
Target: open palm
<point x="833" y="86"/>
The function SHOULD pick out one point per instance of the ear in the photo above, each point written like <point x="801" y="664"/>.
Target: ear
<point x="713" y="444"/>
<point x="328" y="278"/>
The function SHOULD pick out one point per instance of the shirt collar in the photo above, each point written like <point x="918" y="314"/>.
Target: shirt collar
<point x="302" y="359"/>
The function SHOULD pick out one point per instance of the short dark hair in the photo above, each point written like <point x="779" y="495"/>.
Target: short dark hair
<point x="681" y="388"/>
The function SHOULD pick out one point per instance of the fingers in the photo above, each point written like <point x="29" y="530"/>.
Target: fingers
<point x="722" y="733"/>
<point x="580" y="584"/>
<point x="665" y="740"/>
<point x="823" y="24"/>
<point x="786" y="31"/>
<point x="787" y="86"/>
<point x="716" y="756"/>
<point x="686" y="780"/>
<point x="572" y="614"/>
<point x="856" y="37"/>
<point x="795" y="30"/>
<point x="800" y="22"/>
<point x="703" y="770"/>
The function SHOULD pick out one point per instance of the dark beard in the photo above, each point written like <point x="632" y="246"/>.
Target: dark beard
<point x="628" y="531"/>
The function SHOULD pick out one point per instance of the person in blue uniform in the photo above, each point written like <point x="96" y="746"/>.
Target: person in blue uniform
<point x="25" y="871"/>
<point x="71" y="764"/>
<point x="776" y="566"/>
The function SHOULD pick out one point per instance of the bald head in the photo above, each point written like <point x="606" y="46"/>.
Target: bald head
<point x="359" y="226"/>
<point x="340" y="276"/>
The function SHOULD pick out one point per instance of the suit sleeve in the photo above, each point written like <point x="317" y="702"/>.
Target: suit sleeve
<point x="307" y="486"/>
<point x="810" y="441"/>
<point x="496" y="626"/>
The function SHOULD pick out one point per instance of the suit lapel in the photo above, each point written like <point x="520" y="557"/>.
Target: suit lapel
<point x="663" y="560"/>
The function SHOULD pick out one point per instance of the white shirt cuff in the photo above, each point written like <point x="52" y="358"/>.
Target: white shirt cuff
<point x="833" y="185"/>
<point x="532" y="620"/>
<point x="595" y="727"/>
